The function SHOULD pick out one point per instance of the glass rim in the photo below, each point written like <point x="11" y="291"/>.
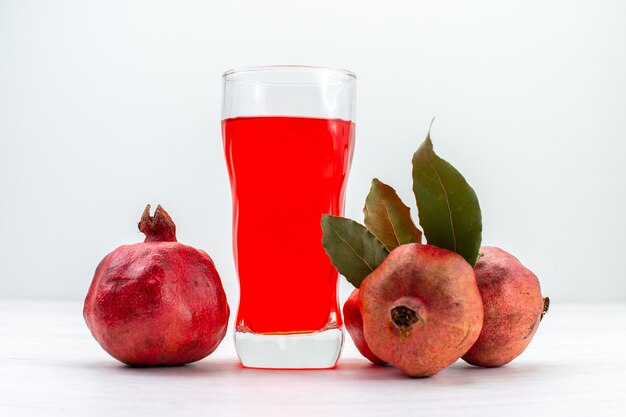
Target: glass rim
<point x="238" y="74"/>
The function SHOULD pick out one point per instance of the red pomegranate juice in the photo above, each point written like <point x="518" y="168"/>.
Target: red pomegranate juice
<point x="286" y="172"/>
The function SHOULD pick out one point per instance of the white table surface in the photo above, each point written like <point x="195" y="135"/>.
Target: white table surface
<point x="51" y="366"/>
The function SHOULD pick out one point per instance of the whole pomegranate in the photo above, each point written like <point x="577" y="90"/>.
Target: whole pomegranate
<point x="421" y="309"/>
<point x="158" y="302"/>
<point x="513" y="307"/>
<point x="354" y="324"/>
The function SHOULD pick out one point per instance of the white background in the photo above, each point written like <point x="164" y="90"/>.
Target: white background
<point x="106" y="106"/>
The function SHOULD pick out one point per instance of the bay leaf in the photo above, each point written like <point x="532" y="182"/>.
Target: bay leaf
<point x="388" y="218"/>
<point x="352" y="249"/>
<point x="448" y="208"/>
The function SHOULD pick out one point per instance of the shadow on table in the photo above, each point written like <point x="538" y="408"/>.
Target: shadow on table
<point x="351" y="369"/>
<point x="459" y="373"/>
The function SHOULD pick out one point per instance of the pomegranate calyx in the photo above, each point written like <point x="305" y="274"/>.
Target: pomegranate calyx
<point x="157" y="228"/>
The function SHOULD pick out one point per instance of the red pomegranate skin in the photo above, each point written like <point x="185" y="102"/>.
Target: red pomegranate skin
<point x="421" y="309"/>
<point x="513" y="307"/>
<point x="354" y="324"/>
<point x="159" y="302"/>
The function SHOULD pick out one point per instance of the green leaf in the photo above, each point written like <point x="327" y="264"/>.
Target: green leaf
<point x="353" y="250"/>
<point x="388" y="218"/>
<point x="448" y="208"/>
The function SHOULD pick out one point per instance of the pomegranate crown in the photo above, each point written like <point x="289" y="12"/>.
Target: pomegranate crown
<point x="157" y="228"/>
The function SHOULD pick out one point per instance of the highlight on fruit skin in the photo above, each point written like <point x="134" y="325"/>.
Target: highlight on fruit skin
<point x="158" y="302"/>
<point x="421" y="309"/>
<point x="513" y="307"/>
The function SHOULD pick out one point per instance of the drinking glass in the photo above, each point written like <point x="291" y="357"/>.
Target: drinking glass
<point x="288" y="134"/>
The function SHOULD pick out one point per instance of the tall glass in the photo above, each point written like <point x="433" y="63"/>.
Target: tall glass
<point x="288" y="134"/>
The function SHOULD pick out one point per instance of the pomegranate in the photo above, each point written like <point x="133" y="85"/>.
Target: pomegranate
<point x="354" y="324"/>
<point x="421" y="309"/>
<point x="158" y="302"/>
<point x="513" y="307"/>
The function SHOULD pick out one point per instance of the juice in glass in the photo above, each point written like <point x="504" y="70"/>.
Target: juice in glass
<point x="288" y="134"/>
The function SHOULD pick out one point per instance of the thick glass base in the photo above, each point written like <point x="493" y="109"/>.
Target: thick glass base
<point x="318" y="350"/>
